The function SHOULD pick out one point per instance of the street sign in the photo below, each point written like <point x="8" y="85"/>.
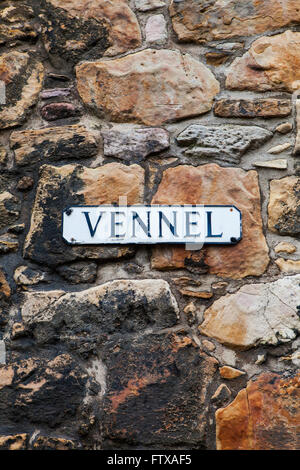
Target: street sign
<point x="107" y="224"/>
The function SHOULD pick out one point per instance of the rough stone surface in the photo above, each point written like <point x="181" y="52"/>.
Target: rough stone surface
<point x="86" y="29"/>
<point x="16" y="23"/>
<point x="255" y="314"/>
<point x="146" y="5"/>
<point x="23" y="75"/>
<point x="9" y="209"/>
<point x="156" y="29"/>
<point x="242" y="108"/>
<point x="288" y="265"/>
<point x="53" y="143"/>
<point x="149" y="87"/>
<point x="79" y="272"/>
<point x="136" y="144"/>
<point x="174" y="391"/>
<point x="208" y="21"/>
<point x="25" y="276"/>
<point x="271" y="64"/>
<point x="208" y="184"/>
<point x="119" y="306"/>
<point x="16" y="442"/>
<point x="284" y="203"/>
<point x="225" y="143"/>
<point x="33" y="385"/>
<point x="73" y="185"/>
<point x="264" y="416"/>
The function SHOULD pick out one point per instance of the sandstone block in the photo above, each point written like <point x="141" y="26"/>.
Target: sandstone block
<point x="52" y="143"/>
<point x="79" y="29"/>
<point x="283" y="208"/>
<point x="271" y="64"/>
<point x="201" y="21"/>
<point x="211" y="184"/>
<point x="149" y="87"/>
<point x="257" y="314"/>
<point x="60" y="187"/>
<point x="23" y="76"/>
<point x="242" y="108"/>
<point x="264" y="416"/>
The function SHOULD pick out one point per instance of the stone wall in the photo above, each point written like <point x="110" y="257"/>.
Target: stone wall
<point x="133" y="347"/>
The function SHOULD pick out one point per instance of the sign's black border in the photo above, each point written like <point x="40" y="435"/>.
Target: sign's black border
<point x="235" y="242"/>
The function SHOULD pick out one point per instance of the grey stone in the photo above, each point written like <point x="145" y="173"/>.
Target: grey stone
<point x="224" y="143"/>
<point x="146" y="5"/>
<point x="78" y="272"/>
<point x="135" y="144"/>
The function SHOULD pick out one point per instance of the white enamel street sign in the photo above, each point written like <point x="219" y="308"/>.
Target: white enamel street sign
<point x="90" y="225"/>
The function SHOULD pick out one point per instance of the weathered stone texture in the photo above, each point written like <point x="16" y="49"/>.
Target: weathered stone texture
<point x="60" y="187"/>
<point x="164" y="384"/>
<point x="37" y="389"/>
<point x="9" y="209"/>
<point x="224" y="143"/>
<point x="53" y="143"/>
<point x="255" y="314"/>
<point x="22" y="75"/>
<point x="200" y="21"/>
<point x="242" y="108"/>
<point x="209" y="184"/>
<point x="146" y="5"/>
<point x="136" y="144"/>
<point x="16" y="23"/>
<point x="271" y="64"/>
<point x="264" y="416"/>
<point x="149" y="87"/>
<point x="284" y="206"/>
<point x="87" y="29"/>
<point x="112" y="308"/>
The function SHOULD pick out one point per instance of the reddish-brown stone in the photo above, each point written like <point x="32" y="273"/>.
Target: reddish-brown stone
<point x="212" y="184"/>
<point x="264" y="416"/>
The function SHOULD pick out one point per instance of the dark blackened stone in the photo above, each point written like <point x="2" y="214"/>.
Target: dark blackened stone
<point x="157" y="392"/>
<point x="71" y="38"/>
<point x="41" y="392"/>
<point x="77" y="273"/>
<point x="54" y="111"/>
<point x="52" y="143"/>
<point x="84" y="319"/>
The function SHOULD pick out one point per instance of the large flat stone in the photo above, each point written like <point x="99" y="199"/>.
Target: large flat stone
<point x="51" y="144"/>
<point x="60" y="187"/>
<point x="224" y="143"/>
<point x="211" y="184"/>
<point x="257" y="314"/>
<point x="23" y="76"/>
<point x="149" y="87"/>
<point x="160" y="399"/>
<point x="200" y="21"/>
<point x="79" y="29"/>
<point x="284" y="206"/>
<point x="271" y="64"/>
<point x="122" y="306"/>
<point x="263" y="416"/>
